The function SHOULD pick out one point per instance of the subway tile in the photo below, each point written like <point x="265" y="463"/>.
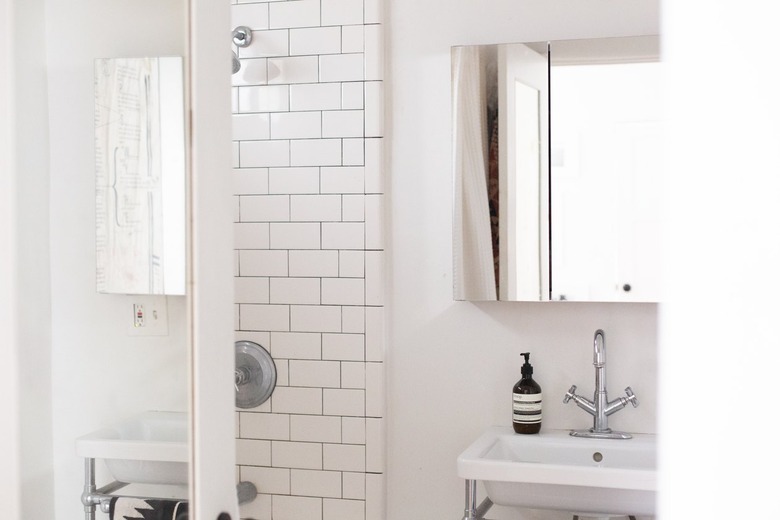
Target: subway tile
<point x="296" y="345"/>
<point x="282" y="372"/>
<point x="374" y="54"/>
<point x="353" y="208"/>
<point x="319" y="374"/>
<point x="251" y="290"/>
<point x="374" y="165"/>
<point x="263" y="338"/>
<point x="262" y="263"/>
<point x="375" y="389"/>
<point x="296" y="125"/>
<point x="375" y="497"/>
<point x="265" y="208"/>
<point x="254" y="16"/>
<point x="247" y="127"/>
<point x="353" y="152"/>
<point x="351" y="264"/>
<point x="295" y="235"/>
<point x="315" y="483"/>
<point x="316" y="96"/>
<point x="353" y="430"/>
<point x="343" y="291"/>
<point x="293" y="400"/>
<point x="315" y="40"/>
<point x="374" y="277"/>
<point x="269" y="480"/>
<point x="339" y="509"/>
<point x="353" y="485"/>
<point x="265" y="317"/>
<point x="236" y="209"/>
<point x="374" y="109"/>
<point x="375" y="442"/>
<point x="252" y="452"/>
<point x="315" y="208"/>
<point x="344" y="457"/>
<point x="295" y="290"/>
<point x="315" y="428"/>
<point x="315" y="152"/>
<point x="315" y="318"/>
<point x="233" y="100"/>
<point x="252" y="181"/>
<point x="251" y="235"/>
<point x="344" y="347"/>
<point x="294" y="13"/>
<point x="296" y="508"/>
<point x="270" y="98"/>
<point x="342" y="12"/>
<point x="264" y="153"/>
<point x="295" y="69"/>
<point x="353" y="319"/>
<point x="257" y="509"/>
<point x="374" y="221"/>
<point x="264" y="426"/>
<point x="302" y="455"/>
<point x="349" y="179"/>
<point x="253" y="71"/>
<point x="235" y="155"/>
<point x="294" y="180"/>
<point x="353" y="375"/>
<point x="352" y="38"/>
<point x="340" y="235"/>
<point x="314" y="263"/>
<point x="352" y="94"/>
<point x="345" y="402"/>
<point x="266" y="44"/>
<point x="341" y="67"/>
<point x="342" y="123"/>
<point x="373" y="11"/>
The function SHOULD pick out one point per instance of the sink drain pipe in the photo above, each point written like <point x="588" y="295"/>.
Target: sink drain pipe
<point x="474" y="511"/>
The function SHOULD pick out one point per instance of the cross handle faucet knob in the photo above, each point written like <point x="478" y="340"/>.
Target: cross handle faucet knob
<point x="569" y="394"/>
<point x="632" y="397"/>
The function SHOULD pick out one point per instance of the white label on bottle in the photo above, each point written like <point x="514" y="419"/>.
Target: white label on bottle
<point x="527" y="408"/>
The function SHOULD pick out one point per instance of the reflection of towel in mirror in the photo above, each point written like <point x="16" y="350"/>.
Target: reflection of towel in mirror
<point x="122" y="508"/>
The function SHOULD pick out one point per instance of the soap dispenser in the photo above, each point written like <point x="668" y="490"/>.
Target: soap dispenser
<point x="527" y="401"/>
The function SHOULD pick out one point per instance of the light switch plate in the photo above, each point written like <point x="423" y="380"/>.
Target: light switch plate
<point x="147" y="316"/>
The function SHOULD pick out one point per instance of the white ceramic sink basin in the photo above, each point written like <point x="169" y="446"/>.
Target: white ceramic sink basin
<point x="553" y="470"/>
<point x="150" y="448"/>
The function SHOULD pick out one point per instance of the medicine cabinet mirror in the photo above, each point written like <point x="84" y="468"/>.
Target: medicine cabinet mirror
<point x="557" y="150"/>
<point x="140" y="172"/>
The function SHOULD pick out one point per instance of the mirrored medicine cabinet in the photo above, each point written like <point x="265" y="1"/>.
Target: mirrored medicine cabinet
<point x="140" y="175"/>
<point x="557" y="157"/>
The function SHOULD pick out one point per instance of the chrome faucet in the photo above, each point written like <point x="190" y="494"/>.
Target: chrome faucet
<point x="600" y="408"/>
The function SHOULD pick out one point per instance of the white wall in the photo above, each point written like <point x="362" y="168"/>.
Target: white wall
<point x="451" y="364"/>
<point x="99" y="374"/>
<point x="719" y="335"/>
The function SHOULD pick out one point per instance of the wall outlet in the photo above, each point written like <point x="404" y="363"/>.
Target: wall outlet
<point x="147" y="316"/>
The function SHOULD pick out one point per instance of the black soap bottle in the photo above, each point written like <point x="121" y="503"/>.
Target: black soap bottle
<point x="527" y="401"/>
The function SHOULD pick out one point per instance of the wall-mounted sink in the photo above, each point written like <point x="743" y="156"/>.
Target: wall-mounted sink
<point x="553" y="470"/>
<point x="150" y="448"/>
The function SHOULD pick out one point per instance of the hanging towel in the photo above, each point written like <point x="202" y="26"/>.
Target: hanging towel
<point x="122" y="508"/>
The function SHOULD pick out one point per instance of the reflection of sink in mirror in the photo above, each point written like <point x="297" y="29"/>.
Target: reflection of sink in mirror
<point x="553" y="470"/>
<point x="151" y="448"/>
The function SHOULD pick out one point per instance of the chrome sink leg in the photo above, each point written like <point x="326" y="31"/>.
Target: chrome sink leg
<point x="474" y="511"/>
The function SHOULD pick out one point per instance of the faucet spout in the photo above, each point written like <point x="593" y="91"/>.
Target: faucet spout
<point x="599" y="349"/>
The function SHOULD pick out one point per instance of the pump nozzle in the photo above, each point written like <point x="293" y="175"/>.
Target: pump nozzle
<point x="526" y="369"/>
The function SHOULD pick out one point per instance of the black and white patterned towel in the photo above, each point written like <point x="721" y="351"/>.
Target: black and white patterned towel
<point x="123" y="508"/>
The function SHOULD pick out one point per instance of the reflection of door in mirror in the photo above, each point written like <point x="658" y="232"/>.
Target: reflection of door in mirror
<point x="606" y="134"/>
<point x="522" y="93"/>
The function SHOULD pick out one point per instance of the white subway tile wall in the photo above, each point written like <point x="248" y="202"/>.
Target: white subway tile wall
<point x="308" y="183"/>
